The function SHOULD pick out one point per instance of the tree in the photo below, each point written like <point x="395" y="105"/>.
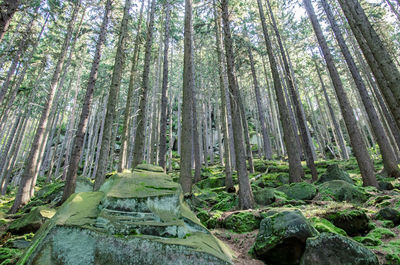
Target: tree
<point x="31" y="166"/>
<point x="185" y="177"/>
<point x="70" y="183"/>
<point x="119" y="65"/>
<point x="141" y="116"/>
<point x="246" y="200"/>
<point x="356" y="139"/>
<point x="296" y="172"/>
<point x="164" y="98"/>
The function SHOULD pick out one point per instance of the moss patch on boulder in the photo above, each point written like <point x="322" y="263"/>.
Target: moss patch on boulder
<point x="299" y="191"/>
<point x="242" y="222"/>
<point x="31" y="222"/>
<point x="339" y="190"/>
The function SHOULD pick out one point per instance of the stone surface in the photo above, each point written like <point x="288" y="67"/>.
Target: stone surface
<point x="32" y="221"/>
<point x="135" y="218"/>
<point x="333" y="172"/>
<point x="299" y="191"/>
<point x="265" y="196"/>
<point x="339" y="190"/>
<point x="282" y="238"/>
<point x="355" y="222"/>
<point x="389" y="214"/>
<point x="334" y="249"/>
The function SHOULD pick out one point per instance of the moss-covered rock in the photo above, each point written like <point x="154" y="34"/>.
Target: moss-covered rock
<point x="282" y="237"/>
<point x="226" y="202"/>
<point x="333" y="172"/>
<point x="323" y="225"/>
<point x="211" y="182"/>
<point x="334" y="249"/>
<point x="135" y="218"/>
<point x="215" y="220"/>
<point x="31" y="222"/>
<point x="242" y="222"/>
<point x="149" y="167"/>
<point x="299" y="191"/>
<point x="265" y="196"/>
<point x="339" y="190"/>
<point x="355" y="222"/>
<point x="389" y="214"/>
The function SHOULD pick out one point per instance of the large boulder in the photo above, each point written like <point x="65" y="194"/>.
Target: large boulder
<point x="339" y="190"/>
<point x="334" y="249"/>
<point x="32" y="221"/>
<point x="299" y="191"/>
<point x="282" y="238"/>
<point x="265" y="196"/>
<point x="333" y="172"/>
<point x="389" y="214"/>
<point x="242" y="222"/>
<point x="355" y="222"/>
<point x="135" y="218"/>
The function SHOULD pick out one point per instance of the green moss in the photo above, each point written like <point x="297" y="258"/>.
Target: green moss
<point x="9" y="256"/>
<point x="353" y="221"/>
<point x="323" y="225"/>
<point x="215" y="220"/>
<point x="242" y="222"/>
<point x="149" y="167"/>
<point x="32" y="221"/>
<point x="226" y="202"/>
<point x="340" y="190"/>
<point x="299" y="191"/>
<point x="368" y="241"/>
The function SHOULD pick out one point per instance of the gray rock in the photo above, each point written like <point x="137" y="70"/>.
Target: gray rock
<point x="282" y="238"/>
<point x="390" y="214"/>
<point x="334" y="249"/>
<point x="333" y="172"/>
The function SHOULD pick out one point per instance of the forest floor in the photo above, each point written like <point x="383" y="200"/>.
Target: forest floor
<point x="330" y="205"/>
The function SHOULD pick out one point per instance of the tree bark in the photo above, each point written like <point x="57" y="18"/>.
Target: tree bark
<point x="24" y="190"/>
<point x="388" y="155"/>
<point x="360" y="151"/>
<point x="246" y="200"/>
<point x="141" y="116"/>
<point x="296" y="172"/>
<point x="186" y="141"/>
<point x="112" y="103"/>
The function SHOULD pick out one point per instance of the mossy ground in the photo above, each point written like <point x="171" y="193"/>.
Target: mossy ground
<point x="214" y="206"/>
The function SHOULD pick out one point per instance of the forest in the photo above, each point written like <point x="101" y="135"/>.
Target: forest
<point x="200" y="132"/>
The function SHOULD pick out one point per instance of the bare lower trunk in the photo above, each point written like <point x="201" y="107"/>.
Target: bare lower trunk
<point x="7" y="11"/>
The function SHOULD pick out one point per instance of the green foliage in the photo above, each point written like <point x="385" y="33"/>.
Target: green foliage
<point x="242" y="222"/>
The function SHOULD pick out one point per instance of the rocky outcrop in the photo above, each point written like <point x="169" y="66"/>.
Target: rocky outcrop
<point x="135" y="218"/>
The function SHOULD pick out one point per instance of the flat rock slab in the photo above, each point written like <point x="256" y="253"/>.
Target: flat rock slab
<point x="135" y="218"/>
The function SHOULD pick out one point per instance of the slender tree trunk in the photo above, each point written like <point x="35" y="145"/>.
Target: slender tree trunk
<point x="112" y="103"/>
<point x="196" y="142"/>
<point x="23" y="195"/>
<point x="125" y="129"/>
<point x="296" y="172"/>
<point x="266" y="141"/>
<point x="246" y="200"/>
<point x="360" y="151"/>
<point x="388" y="155"/>
<point x="141" y="116"/>
<point x="249" y="152"/>
<point x="187" y="108"/>
<point x="164" y="98"/>
<point x="224" y="115"/>
<point x="385" y="71"/>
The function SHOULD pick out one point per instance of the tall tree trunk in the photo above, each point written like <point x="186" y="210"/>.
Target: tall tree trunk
<point x="388" y="155"/>
<point x="358" y="145"/>
<point x="301" y="118"/>
<point x="385" y="71"/>
<point x="164" y="98"/>
<point x="296" y="172"/>
<point x="141" y="116"/>
<point x="266" y="141"/>
<point x="186" y="140"/>
<point x="246" y="200"/>
<point x="24" y="190"/>
<point x="112" y="103"/>
<point x="123" y="155"/>
<point x="223" y="88"/>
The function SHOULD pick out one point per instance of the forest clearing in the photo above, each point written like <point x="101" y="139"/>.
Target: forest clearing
<point x="200" y="132"/>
